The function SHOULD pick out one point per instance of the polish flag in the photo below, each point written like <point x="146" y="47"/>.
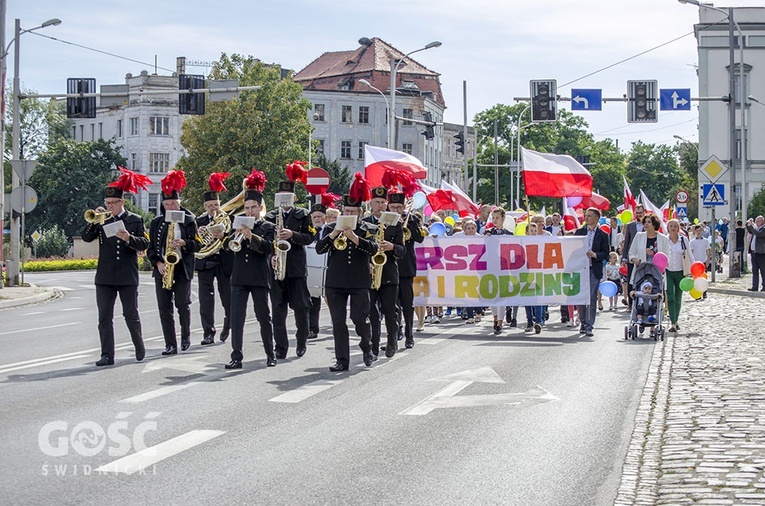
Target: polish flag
<point x="570" y="220"/>
<point x="550" y="175"/>
<point x="442" y="199"/>
<point x="653" y="208"/>
<point x="462" y="201"/>
<point x="377" y="160"/>
<point x="629" y="198"/>
<point x="595" y="200"/>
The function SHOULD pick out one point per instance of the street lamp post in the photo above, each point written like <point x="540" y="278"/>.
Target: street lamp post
<point x="732" y="118"/>
<point x="387" y="106"/>
<point x="12" y="270"/>
<point x="394" y="64"/>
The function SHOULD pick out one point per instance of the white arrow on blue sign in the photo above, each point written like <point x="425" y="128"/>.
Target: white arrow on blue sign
<point x="586" y="100"/>
<point x="675" y="99"/>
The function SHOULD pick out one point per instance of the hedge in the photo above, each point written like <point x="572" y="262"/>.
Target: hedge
<point x="67" y="264"/>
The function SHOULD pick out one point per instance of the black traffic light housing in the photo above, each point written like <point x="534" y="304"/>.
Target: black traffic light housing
<point x="642" y="101"/>
<point x="460" y="136"/>
<point x="191" y="103"/>
<point x="429" y="131"/>
<point x="80" y="107"/>
<point x="544" y="100"/>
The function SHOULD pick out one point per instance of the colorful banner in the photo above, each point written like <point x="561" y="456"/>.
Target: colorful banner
<point x="502" y="271"/>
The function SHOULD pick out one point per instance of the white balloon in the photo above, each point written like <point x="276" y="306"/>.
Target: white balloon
<point x="701" y="284"/>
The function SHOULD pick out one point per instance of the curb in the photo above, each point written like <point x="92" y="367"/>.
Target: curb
<point x="44" y="295"/>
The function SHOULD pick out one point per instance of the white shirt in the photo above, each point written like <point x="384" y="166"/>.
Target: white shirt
<point x="700" y="249"/>
<point x="675" y="254"/>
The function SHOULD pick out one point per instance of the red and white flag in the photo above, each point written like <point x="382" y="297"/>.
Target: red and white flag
<point x="377" y="160"/>
<point x="595" y="200"/>
<point x="629" y="198"/>
<point x="654" y="209"/>
<point x="570" y="219"/>
<point x="461" y="200"/>
<point x="550" y="175"/>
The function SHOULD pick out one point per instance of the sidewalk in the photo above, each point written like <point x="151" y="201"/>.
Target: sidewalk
<point x="24" y="295"/>
<point x="700" y="428"/>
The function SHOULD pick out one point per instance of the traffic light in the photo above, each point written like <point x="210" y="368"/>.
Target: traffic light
<point x="460" y="136"/>
<point x="642" y="101"/>
<point x="191" y="103"/>
<point x="80" y="107"/>
<point x="544" y="101"/>
<point x="429" y="132"/>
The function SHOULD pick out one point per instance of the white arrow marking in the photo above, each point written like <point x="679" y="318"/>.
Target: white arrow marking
<point x="189" y="364"/>
<point x="159" y="392"/>
<point x="578" y="99"/>
<point x="140" y="461"/>
<point x="676" y="102"/>
<point x="304" y="392"/>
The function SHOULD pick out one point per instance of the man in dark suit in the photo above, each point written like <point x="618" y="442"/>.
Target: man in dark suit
<point x="292" y="291"/>
<point x="213" y="268"/>
<point x="348" y="276"/>
<point x="597" y="251"/>
<point x="117" y="272"/>
<point x="757" y="249"/>
<point x="185" y="242"/>
<point x="630" y="230"/>
<point x="318" y="219"/>
<point x="252" y="276"/>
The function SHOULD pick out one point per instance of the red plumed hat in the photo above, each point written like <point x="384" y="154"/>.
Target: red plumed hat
<point x="256" y="180"/>
<point x="128" y="181"/>
<point x="360" y="190"/>
<point x="329" y="199"/>
<point x="296" y="172"/>
<point x="215" y="181"/>
<point x="172" y="184"/>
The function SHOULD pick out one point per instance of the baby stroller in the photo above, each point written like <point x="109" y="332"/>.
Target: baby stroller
<point x="719" y="257"/>
<point x="652" y="304"/>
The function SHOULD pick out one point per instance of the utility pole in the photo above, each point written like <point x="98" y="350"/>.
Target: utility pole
<point x="2" y="135"/>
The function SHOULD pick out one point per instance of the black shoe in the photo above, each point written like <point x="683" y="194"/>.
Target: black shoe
<point x="338" y="367"/>
<point x="390" y="351"/>
<point x="209" y="339"/>
<point x="140" y="352"/>
<point x="105" y="361"/>
<point x="374" y="357"/>
<point x="313" y="335"/>
<point x="589" y="333"/>
<point x="300" y="351"/>
<point x="752" y="290"/>
<point x="185" y="344"/>
<point x="271" y="362"/>
<point x="581" y="330"/>
<point x="170" y="350"/>
<point x="400" y="336"/>
<point x="513" y="323"/>
<point x="409" y="345"/>
<point x="368" y="358"/>
<point x="224" y="334"/>
<point x="537" y="328"/>
<point x="281" y="355"/>
<point x="234" y="364"/>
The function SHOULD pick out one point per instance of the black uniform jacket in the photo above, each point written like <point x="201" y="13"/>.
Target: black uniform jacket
<point x="298" y="220"/>
<point x="600" y="247"/>
<point x="158" y="239"/>
<point x="117" y="260"/>
<point x="407" y="266"/>
<point x="252" y="266"/>
<point x="393" y="234"/>
<point x="349" y="268"/>
<point x="223" y="256"/>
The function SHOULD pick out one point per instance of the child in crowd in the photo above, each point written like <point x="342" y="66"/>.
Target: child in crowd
<point x="645" y="306"/>
<point x="498" y="220"/>
<point x="611" y="273"/>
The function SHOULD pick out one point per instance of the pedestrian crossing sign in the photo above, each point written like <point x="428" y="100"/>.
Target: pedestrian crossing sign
<point x="713" y="194"/>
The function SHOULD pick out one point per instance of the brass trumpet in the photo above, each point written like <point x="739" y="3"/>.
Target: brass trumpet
<point x="340" y="243"/>
<point x="92" y="216"/>
<point x="235" y="244"/>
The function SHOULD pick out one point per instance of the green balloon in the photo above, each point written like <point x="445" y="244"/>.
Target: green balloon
<point x="686" y="284"/>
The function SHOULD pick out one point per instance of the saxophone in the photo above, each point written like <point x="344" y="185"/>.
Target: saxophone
<point x="281" y="248"/>
<point x="171" y="258"/>
<point x="378" y="259"/>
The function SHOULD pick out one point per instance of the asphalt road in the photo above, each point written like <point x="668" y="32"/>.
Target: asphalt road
<point x="463" y="418"/>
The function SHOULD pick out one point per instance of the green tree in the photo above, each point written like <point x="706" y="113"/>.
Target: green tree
<point x="688" y="153"/>
<point x="265" y="128"/>
<point x="53" y="243"/>
<point x="756" y="205"/>
<point x="69" y="179"/>
<point x="654" y="169"/>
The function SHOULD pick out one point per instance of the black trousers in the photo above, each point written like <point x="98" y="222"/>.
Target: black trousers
<point x="406" y="303"/>
<point x="180" y="293"/>
<point x="337" y="300"/>
<point x="239" y="297"/>
<point x="758" y="270"/>
<point x="313" y="316"/>
<point x="106" y="296"/>
<point x="383" y="300"/>
<point x="206" y="280"/>
<point x="292" y="292"/>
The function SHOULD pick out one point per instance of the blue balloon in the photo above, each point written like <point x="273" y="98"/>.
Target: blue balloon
<point x="455" y="217"/>
<point x="602" y="221"/>
<point x="420" y="199"/>
<point x="608" y="288"/>
<point x="437" y="229"/>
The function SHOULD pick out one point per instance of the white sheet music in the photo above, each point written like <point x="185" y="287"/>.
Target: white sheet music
<point x="244" y="221"/>
<point x="111" y="229"/>
<point x="346" y="221"/>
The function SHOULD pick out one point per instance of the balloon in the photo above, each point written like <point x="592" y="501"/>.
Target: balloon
<point x="419" y="199"/>
<point x="704" y="275"/>
<point x="626" y="216"/>
<point x="606" y="229"/>
<point x="449" y="221"/>
<point x="624" y="270"/>
<point x="719" y="222"/>
<point x="695" y="294"/>
<point x="509" y="223"/>
<point x="574" y="201"/>
<point x="695" y="221"/>
<point x="660" y="260"/>
<point x="437" y="229"/>
<point x="602" y="220"/>
<point x="456" y="216"/>
<point x="449" y="229"/>
<point x="686" y="284"/>
<point x="520" y="229"/>
<point x="697" y="269"/>
<point x="428" y="211"/>
<point x="608" y="288"/>
<point x="701" y="284"/>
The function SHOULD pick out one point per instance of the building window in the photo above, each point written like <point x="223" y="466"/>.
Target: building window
<point x="119" y="128"/>
<point x="133" y="161"/>
<point x="345" y="149"/>
<point x="738" y="144"/>
<point x="74" y="132"/>
<point x="134" y="126"/>
<point x="159" y="125"/>
<point x="364" y="114"/>
<point x="407" y="114"/>
<point x="361" y="149"/>
<point x="406" y="148"/>
<point x="92" y="131"/>
<point x="347" y="114"/>
<point x="318" y="112"/>
<point x="737" y="89"/>
<point x="100" y="130"/>
<point x="82" y="133"/>
<point x="154" y="203"/>
<point x="159" y="162"/>
<point x="319" y="146"/>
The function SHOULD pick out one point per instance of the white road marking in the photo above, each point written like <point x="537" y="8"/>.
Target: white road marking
<point x="47" y="362"/>
<point x="147" y="457"/>
<point x="73" y="309"/>
<point x="63" y="288"/>
<point x="304" y="392"/>
<point x="34" y="313"/>
<point x="39" y="328"/>
<point x="159" y="392"/>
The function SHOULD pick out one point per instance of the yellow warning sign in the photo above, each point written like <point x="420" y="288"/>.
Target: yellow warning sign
<point x="713" y="169"/>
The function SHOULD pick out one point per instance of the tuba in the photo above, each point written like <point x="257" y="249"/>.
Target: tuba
<point x="171" y="258"/>
<point x="281" y="248"/>
<point x="378" y="259"/>
<point x="211" y="245"/>
<point x="93" y="217"/>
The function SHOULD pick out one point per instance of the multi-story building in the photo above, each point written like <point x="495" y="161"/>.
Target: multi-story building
<point x="712" y="35"/>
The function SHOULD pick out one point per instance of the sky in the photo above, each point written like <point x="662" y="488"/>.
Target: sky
<point x="496" y="46"/>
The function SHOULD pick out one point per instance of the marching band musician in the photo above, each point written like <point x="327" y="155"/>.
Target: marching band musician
<point x="252" y="274"/>
<point x="292" y="291"/>
<point x="173" y="282"/>
<point x="117" y="271"/>
<point x="319" y="221"/>
<point x="407" y="266"/>
<point x="348" y="275"/>
<point x="215" y="267"/>
<point x="383" y="300"/>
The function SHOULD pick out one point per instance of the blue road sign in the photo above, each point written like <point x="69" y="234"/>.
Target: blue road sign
<point x="586" y="100"/>
<point x="682" y="212"/>
<point x="713" y="194"/>
<point x="675" y="99"/>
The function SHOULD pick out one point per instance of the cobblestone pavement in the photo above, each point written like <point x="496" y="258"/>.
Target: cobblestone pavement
<point x="700" y="429"/>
